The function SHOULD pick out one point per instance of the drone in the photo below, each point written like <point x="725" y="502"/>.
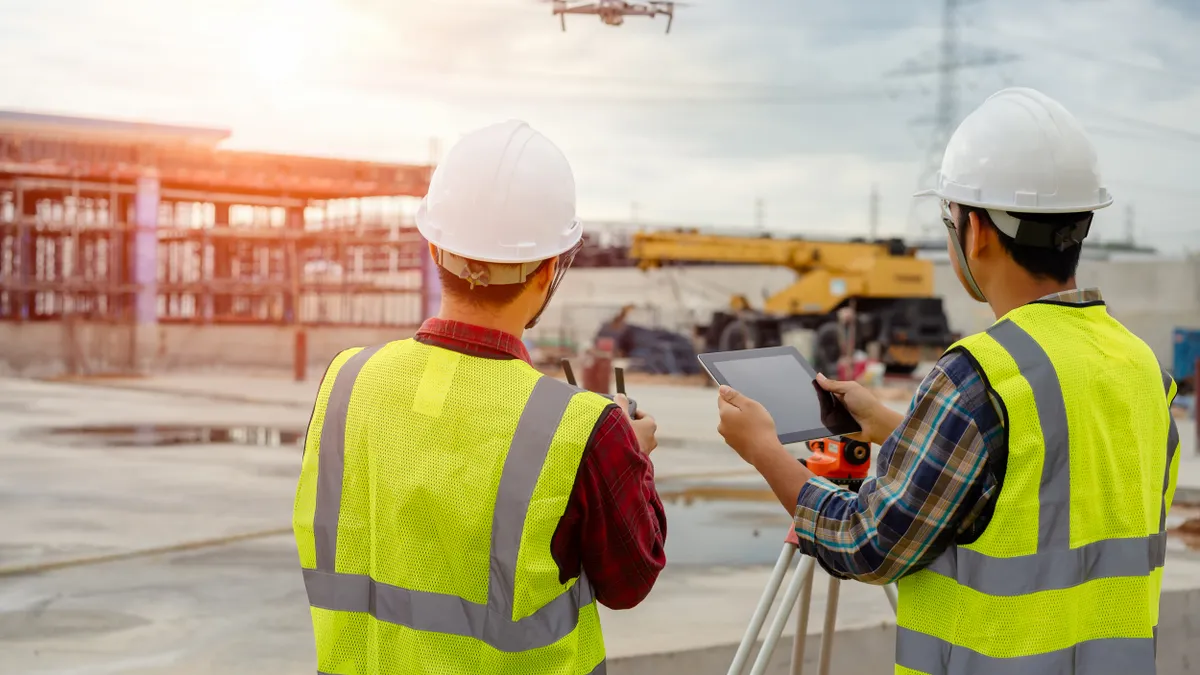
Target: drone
<point x="613" y="12"/>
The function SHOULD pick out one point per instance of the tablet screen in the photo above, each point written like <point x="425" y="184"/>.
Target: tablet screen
<point x="779" y="379"/>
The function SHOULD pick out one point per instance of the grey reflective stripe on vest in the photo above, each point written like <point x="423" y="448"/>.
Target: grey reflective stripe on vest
<point x="332" y="457"/>
<point x="450" y="614"/>
<point x="1172" y="446"/>
<point x="600" y="669"/>
<point x="1054" y="491"/>
<point x="491" y="623"/>
<point x="1111" y="656"/>
<point x="1056" y="565"/>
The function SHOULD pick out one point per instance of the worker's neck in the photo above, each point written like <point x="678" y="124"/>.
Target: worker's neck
<point x="506" y="321"/>
<point x="1010" y="296"/>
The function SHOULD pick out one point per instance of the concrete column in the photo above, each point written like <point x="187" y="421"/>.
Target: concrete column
<point x="26" y="215"/>
<point x="293" y="223"/>
<point x="222" y="262"/>
<point x="145" y="273"/>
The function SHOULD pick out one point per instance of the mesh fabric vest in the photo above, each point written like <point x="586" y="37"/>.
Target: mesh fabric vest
<point x="431" y="486"/>
<point x="1066" y="577"/>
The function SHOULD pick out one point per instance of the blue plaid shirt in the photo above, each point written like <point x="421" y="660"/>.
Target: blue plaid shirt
<point x="936" y="482"/>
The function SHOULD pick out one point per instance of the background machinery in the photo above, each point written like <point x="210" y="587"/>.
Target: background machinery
<point x="855" y="295"/>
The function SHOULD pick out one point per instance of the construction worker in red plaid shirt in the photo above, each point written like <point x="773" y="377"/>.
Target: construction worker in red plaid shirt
<point x="458" y="511"/>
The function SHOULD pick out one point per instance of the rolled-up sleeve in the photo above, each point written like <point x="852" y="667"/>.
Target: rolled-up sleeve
<point x="932" y="480"/>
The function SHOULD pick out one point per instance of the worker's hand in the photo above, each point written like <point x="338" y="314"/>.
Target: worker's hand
<point x="644" y="427"/>
<point x="746" y="425"/>
<point x="876" y="419"/>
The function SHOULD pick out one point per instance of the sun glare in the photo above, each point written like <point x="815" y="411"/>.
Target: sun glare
<point x="278" y="36"/>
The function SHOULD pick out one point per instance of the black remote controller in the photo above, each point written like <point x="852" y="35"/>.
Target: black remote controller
<point x="620" y="375"/>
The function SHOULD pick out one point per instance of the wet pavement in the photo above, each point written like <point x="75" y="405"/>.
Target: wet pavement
<point x="133" y="543"/>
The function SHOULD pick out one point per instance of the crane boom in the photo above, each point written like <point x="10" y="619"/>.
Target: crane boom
<point x="651" y="249"/>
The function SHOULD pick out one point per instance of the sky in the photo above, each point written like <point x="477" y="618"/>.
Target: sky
<point x="771" y="112"/>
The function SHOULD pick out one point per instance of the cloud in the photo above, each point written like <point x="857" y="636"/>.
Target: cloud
<point x="793" y="103"/>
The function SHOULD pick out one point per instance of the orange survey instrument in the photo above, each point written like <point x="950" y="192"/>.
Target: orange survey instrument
<point x="841" y="460"/>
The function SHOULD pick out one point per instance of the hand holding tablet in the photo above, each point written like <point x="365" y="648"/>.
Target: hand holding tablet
<point x="785" y="385"/>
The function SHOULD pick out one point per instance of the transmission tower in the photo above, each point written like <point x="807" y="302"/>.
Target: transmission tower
<point x="946" y="64"/>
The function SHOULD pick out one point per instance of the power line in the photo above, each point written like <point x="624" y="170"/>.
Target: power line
<point x="1165" y="129"/>
<point x="949" y="61"/>
<point x="658" y="92"/>
<point x="1092" y="57"/>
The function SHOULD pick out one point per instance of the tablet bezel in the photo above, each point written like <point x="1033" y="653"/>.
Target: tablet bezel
<point x="711" y="363"/>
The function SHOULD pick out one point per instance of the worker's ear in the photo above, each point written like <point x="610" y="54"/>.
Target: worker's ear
<point x="545" y="276"/>
<point x="980" y="238"/>
<point x="433" y="252"/>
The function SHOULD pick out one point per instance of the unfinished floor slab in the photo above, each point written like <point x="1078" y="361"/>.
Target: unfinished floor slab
<point x="127" y="556"/>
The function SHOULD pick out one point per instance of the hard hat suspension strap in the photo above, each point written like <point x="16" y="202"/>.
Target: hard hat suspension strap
<point x="957" y="235"/>
<point x="486" y="274"/>
<point x="564" y="262"/>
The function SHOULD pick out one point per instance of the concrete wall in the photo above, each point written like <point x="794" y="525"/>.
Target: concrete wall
<point x="1151" y="297"/>
<point x="871" y="651"/>
<point x="50" y="349"/>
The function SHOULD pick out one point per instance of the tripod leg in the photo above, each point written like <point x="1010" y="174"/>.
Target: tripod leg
<point x="802" y="609"/>
<point x="893" y="596"/>
<point x="760" y="612"/>
<point x="781" y="616"/>
<point x="831" y="607"/>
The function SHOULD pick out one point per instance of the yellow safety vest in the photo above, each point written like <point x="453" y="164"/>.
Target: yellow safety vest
<point x="431" y="487"/>
<point x="1066" y="577"/>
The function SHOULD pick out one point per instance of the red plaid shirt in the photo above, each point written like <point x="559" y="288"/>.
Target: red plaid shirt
<point x="614" y="524"/>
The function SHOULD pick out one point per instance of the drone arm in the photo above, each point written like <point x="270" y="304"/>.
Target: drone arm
<point x="670" y="18"/>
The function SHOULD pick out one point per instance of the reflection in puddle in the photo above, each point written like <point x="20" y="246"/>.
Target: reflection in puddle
<point x="722" y="524"/>
<point x="1184" y="524"/>
<point x="710" y="524"/>
<point x="160" y="435"/>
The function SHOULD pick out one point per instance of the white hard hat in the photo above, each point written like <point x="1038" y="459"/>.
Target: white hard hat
<point x="503" y="194"/>
<point x="1021" y="151"/>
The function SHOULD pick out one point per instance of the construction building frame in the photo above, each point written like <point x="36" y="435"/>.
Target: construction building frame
<point x="140" y="225"/>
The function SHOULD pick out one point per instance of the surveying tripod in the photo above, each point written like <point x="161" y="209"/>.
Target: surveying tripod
<point x="845" y="462"/>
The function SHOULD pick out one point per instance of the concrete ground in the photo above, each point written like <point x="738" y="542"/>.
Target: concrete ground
<point x="119" y="556"/>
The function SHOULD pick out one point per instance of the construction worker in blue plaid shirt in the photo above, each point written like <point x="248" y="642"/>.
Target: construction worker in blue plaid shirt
<point x="1020" y="503"/>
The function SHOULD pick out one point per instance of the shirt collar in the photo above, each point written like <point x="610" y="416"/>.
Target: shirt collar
<point x="1077" y="296"/>
<point x="451" y="334"/>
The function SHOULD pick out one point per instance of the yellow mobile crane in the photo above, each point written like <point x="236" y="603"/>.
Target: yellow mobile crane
<point x="888" y="288"/>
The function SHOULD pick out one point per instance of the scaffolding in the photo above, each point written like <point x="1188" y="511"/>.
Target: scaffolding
<point x="121" y="222"/>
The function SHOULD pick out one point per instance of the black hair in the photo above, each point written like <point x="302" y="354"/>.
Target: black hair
<point x="1041" y="262"/>
<point x="500" y="295"/>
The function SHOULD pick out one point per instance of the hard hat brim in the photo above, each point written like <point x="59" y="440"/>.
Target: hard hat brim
<point x="1015" y="208"/>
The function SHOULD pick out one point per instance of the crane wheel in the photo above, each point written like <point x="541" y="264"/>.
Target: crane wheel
<point x="827" y="349"/>
<point x="737" y="334"/>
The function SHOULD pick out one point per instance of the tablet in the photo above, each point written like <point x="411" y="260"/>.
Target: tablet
<point x="786" y="385"/>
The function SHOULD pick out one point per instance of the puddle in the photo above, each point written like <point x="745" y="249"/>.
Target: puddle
<point x="162" y="435"/>
<point x="711" y="523"/>
<point x="1184" y="525"/>
<point x="40" y="624"/>
<point x="720" y="524"/>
